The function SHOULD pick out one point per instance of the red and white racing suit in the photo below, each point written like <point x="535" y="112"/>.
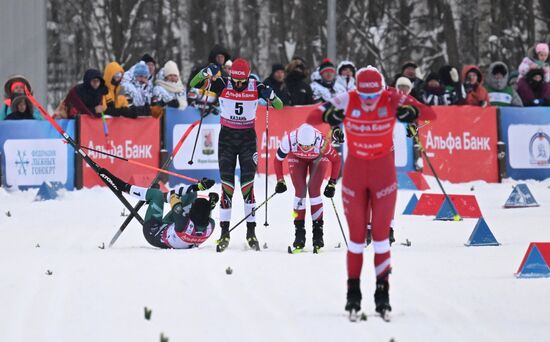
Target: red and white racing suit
<point x="369" y="176"/>
<point x="300" y="163"/>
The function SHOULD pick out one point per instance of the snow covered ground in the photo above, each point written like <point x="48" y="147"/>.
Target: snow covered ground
<point x="440" y="289"/>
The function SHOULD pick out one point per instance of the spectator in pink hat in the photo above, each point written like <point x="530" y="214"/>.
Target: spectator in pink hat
<point x="537" y="58"/>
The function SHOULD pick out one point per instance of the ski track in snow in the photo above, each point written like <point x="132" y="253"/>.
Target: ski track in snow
<point x="440" y="289"/>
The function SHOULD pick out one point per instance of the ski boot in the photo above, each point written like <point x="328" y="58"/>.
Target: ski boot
<point x="382" y="298"/>
<point x="353" y="304"/>
<point x="318" y="242"/>
<point x="223" y="241"/>
<point x="251" y="236"/>
<point x="392" y="238"/>
<point x="299" y="237"/>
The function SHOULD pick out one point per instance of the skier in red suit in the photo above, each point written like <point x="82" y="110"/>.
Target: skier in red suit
<point x="308" y="150"/>
<point x="368" y="115"/>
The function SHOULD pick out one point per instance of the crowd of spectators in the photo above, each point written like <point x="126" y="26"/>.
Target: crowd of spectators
<point x="143" y="90"/>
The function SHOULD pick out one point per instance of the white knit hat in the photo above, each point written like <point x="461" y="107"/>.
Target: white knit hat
<point x="171" y="68"/>
<point x="403" y="81"/>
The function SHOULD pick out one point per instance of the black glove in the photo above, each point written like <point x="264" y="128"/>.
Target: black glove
<point x="280" y="187"/>
<point x="330" y="188"/>
<point x="333" y="116"/>
<point x="468" y="87"/>
<point x="213" y="198"/>
<point x="205" y="183"/>
<point x="407" y="113"/>
<point x="337" y="135"/>
<point x="174" y="103"/>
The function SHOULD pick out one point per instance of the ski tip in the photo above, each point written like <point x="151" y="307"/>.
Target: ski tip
<point x="290" y="250"/>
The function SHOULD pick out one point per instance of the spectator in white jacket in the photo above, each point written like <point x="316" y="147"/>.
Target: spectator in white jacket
<point x="324" y="86"/>
<point x="169" y="90"/>
<point x="537" y="58"/>
<point x="346" y="75"/>
<point x="137" y="91"/>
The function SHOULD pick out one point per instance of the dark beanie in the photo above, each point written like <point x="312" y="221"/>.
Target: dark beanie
<point x="200" y="212"/>
<point x="148" y="59"/>
<point x="276" y="67"/>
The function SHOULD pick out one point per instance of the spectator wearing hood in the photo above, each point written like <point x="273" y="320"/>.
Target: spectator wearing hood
<point x="408" y="70"/>
<point x="137" y="91"/>
<point x="151" y="65"/>
<point x="537" y="57"/>
<point x="433" y="92"/>
<point x="21" y="109"/>
<point x="476" y="94"/>
<point x="168" y="90"/>
<point x="84" y="98"/>
<point x="533" y="90"/>
<point x="299" y="91"/>
<point x="454" y="90"/>
<point x="115" y="101"/>
<point x="219" y="56"/>
<point x="496" y="82"/>
<point x="276" y="81"/>
<point x="346" y="75"/>
<point x="325" y="87"/>
<point x="14" y="87"/>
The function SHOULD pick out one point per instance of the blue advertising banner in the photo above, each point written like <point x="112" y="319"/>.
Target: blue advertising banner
<point x="526" y="132"/>
<point x="205" y="161"/>
<point x="33" y="152"/>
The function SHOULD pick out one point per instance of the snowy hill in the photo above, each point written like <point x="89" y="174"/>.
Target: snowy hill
<point x="440" y="289"/>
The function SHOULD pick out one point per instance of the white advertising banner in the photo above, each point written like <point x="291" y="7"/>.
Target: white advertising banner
<point x="206" y="153"/>
<point x="33" y="161"/>
<point x="529" y="146"/>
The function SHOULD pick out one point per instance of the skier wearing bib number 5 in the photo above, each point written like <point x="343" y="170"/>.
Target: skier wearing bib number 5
<point x="237" y="139"/>
<point x="368" y="115"/>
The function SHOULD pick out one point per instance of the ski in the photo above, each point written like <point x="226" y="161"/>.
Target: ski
<point x="295" y="250"/>
<point x="355" y="316"/>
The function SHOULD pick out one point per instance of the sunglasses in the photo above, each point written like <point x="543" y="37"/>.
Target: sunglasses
<point x="239" y="80"/>
<point x="306" y="148"/>
<point x="369" y="96"/>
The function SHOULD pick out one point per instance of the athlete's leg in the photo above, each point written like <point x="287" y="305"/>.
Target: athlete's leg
<point x="298" y="174"/>
<point x="227" y="159"/>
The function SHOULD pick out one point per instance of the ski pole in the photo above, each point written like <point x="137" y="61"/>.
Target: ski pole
<point x="253" y="211"/>
<point x="203" y="114"/>
<point x="109" y="182"/>
<point x="153" y="182"/>
<point x="266" y="157"/>
<point x="339" y="222"/>
<point x="135" y="162"/>
<point x="105" y="130"/>
<point x="414" y="133"/>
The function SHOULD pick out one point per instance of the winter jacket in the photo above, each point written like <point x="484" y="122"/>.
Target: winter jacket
<point x="534" y="93"/>
<point x="434" y="96"/>
<point x="279" y="88"/>
<point x="324" y="91"/>
<point x="129" y="75"/>
<point x="114" y="98"/>
<point x="500" y="93"/>
<point x="476" y="94"/>
<point x="82" y="98"/>
<point x="169" y="93"/>
<point x="454" y="90"/>
<point x="16" y="114"/>
<point x="347" y="83"/>
<point x="300" y="92"/>
<point x="138" y="94"/>
<point x="8" y="96"/>
<point x="218" y="85"/>
<point x="530" y="62"/>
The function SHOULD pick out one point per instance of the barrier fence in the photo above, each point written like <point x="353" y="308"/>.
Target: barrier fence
<point x="462" y="145"/>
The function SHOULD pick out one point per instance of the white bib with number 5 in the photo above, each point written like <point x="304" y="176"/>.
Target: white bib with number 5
<point x="238" y="108"/>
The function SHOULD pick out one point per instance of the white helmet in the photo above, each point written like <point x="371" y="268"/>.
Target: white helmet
<point x="306" y="135"/>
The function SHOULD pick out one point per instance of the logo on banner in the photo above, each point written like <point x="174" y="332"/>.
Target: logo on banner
<point x="33" y="161"/>
<point x="22" y="162"/>
<point x="539" y="149"/>
<point x="208" y="142"/>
